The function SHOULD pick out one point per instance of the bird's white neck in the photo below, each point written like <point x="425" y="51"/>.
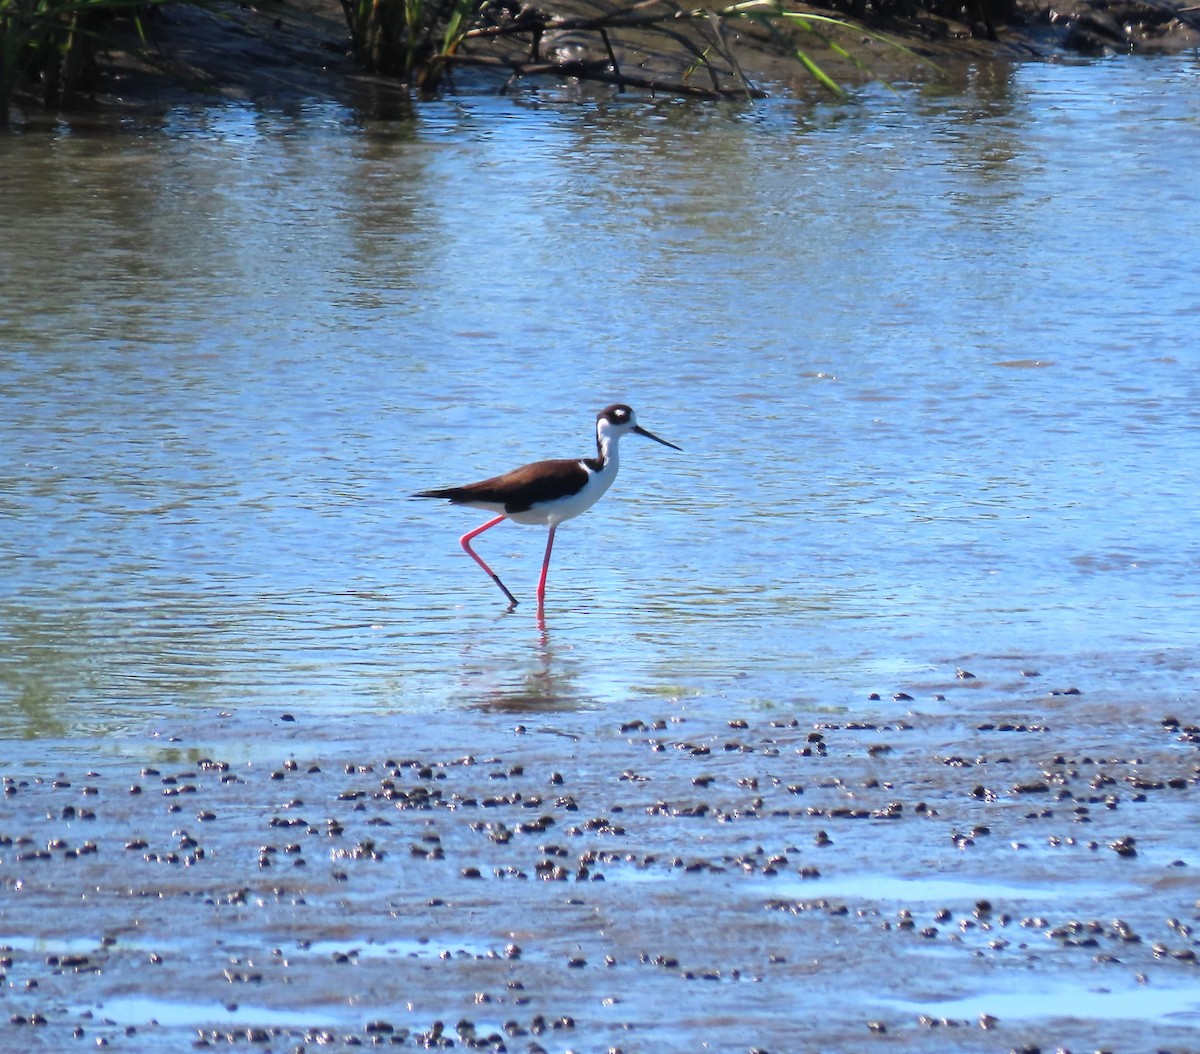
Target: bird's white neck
<point x="606" y="447"/>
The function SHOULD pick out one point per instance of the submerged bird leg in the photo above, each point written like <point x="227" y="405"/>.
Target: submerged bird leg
<point x="541" y="590"/>
<point x="465" y="542"/>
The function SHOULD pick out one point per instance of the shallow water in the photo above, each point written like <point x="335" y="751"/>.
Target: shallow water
<point x="1074" y="1001"/>
<point x="662" y="884"/>
<point x="931" y="356"/>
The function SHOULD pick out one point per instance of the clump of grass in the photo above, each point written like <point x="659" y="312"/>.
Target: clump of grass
<point x="410" y="40"/>
<point x="48" y="47"/>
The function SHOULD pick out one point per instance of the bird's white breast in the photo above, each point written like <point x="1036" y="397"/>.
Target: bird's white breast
<point x="555" y="512"/>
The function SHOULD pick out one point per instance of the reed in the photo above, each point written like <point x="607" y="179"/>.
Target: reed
<point x="48" y="47"/>
<point x="410" y="40"/>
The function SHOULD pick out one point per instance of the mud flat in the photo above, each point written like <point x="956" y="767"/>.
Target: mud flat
<point x="987" y="867"/>
<point x="286" y="53"/>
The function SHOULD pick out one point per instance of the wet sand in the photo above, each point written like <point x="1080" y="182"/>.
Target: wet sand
<point x="992" y="864"/>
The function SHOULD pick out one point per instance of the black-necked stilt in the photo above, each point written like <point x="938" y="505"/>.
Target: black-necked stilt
<point x="547" y="492"/>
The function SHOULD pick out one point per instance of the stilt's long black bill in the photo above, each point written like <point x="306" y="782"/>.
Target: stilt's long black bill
<point x="650" y="435"/>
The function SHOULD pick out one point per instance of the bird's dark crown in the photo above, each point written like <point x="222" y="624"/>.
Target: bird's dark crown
<point x="617" y="414"/>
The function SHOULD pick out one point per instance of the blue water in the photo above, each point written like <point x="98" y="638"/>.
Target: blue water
<point x="1119" y="1002"/>
<point x="932" y="357"/>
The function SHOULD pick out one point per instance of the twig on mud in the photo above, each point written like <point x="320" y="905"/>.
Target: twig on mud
<point x="600" y="72"/>
<point x="612" y="58"/>
<point x="628" y="19"/>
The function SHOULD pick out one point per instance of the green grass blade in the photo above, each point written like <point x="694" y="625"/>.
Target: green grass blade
<point x="819" y="75"/>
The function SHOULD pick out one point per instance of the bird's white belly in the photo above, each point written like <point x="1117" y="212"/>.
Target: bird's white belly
<point x="555" y="512"/>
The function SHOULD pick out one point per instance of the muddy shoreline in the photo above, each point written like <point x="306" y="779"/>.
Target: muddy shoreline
<point x="986" y="866"/>
<point x="281" y="54"/>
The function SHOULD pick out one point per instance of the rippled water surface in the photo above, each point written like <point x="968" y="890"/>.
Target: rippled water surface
<point x="932" y="358"/>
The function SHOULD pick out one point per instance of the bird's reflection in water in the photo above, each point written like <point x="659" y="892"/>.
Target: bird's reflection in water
<point x="544" y="684"/>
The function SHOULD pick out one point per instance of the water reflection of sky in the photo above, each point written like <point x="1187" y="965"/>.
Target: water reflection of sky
<point x="932" y="363"/>
<point x="1122" y="1001"/>
<point x="175" y="1014"/>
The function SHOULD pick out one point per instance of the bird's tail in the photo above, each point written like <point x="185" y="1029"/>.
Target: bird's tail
<point x="447" y="493"/>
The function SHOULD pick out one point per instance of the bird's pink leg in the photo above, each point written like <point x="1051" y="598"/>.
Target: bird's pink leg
<point x="541" y="591"/>
<point x="465" y="542"/>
